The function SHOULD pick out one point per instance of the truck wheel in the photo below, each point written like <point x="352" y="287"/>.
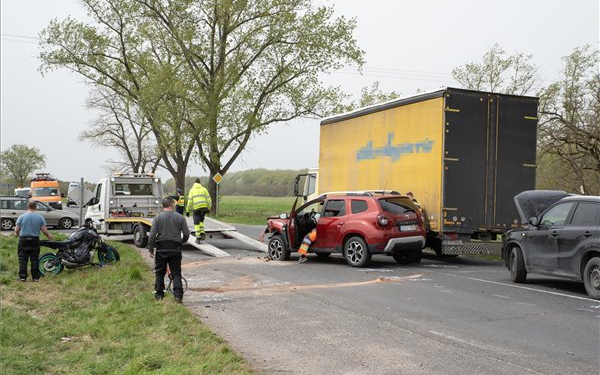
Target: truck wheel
<point x="591" y="277"/>
<point x="140" y="238"/>
<point x="277" y="248"/>
<point x="7" y="224"/>
<point x="356" y="252"/>
<point x="518" y="273"/>
<point x="65" y="223"/>
<point x="403" y="257"/>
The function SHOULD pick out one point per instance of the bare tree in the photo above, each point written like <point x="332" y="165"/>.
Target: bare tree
<point x="513" y="74"/>
<point x="121" y="125"/>
<point x="569" y="127"/>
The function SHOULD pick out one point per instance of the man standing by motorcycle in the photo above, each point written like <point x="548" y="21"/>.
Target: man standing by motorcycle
<point x="28" y="229"/>
<point x="199" y="202"/>
<point x="169" y="231"/>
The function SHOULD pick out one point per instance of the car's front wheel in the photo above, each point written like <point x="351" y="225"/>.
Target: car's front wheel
<point x="7" y="224"/>
<point x="356" y="252"/>
<point x="591" y="277"/>
<point x="518" y="273"/>
<point x="277" y="248"/>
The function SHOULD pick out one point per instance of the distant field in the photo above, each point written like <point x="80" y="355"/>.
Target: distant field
<point x="252" y="210"/>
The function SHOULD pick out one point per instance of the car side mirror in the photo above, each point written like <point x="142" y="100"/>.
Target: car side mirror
<point x="62" y="195"/>
<point x="533" y="221"/>
<point x="284" y="216"/>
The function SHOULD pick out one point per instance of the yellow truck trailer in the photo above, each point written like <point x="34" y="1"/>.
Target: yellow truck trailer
<point x="463" y="154"/>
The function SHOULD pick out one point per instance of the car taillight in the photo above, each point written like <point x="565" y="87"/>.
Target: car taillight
<point x="382" y="221"/>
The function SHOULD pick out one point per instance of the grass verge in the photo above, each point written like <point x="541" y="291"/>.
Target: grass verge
<point x="101" y="321"/>
<point x="252" y="210"/>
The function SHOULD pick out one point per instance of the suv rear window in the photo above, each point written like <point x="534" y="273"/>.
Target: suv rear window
<point x="133" y="189"/>
<point x="396" y="205"/>
<point x="335" y="208"/>
<point x="357" y="206"/>
<point x="586" y="214"/>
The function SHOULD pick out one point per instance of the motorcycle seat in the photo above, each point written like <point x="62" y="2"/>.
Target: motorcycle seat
<point x="55" y="243"/>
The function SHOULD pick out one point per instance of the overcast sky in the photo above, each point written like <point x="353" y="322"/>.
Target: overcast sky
<point x="409" y="45"/>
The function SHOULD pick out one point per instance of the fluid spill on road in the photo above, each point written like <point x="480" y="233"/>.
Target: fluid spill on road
<point x="249" y="286"/>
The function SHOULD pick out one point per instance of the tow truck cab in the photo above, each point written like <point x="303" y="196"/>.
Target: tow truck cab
<point x="125" y="204"/>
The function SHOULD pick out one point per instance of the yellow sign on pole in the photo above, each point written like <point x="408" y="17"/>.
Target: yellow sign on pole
<point x="217" y="178"/>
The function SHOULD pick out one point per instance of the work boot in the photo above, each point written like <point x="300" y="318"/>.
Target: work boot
<point x="198" y="241"/>
<point x="178" y="299"/>
<point x="202" y="237"/>
<point x="158" y="297"/>
<point x="302" y="259"/>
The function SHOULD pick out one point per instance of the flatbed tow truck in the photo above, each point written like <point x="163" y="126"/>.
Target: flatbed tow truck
<point x="127" y="204"/>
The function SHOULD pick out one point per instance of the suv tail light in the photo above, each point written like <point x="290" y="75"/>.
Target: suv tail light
<point x="383" y="221"/>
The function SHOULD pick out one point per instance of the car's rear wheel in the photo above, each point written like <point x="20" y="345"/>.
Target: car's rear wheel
<point x="356" y="252"/>
<point x="277" y="248"/>
<point x="65" y="223"/>
<point x="518" y="273"/>
<point x="591" y="277"/>
<point x="7" y="224"/>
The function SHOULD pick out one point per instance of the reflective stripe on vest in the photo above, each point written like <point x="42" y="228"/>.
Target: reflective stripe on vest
<point x="199" y="201"/>
<point x="181" y="201"/>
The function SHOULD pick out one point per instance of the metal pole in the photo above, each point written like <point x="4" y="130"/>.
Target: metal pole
<point x="217" y="202"/>
<point x="81" y="187"/>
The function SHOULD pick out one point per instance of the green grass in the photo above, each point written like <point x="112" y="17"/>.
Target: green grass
<point x="101" y="321"/>
<point x="252" y="210"/>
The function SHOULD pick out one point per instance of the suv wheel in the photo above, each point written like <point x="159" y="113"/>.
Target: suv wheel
<point x="518" y="273"/>
<point x="591" y="277"/>
<point x="7" y="224"/>
<point x="356" y="252"/>
<point x="277" y="248"/>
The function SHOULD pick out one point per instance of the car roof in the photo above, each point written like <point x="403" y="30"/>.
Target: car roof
<point x="591" y="198"/>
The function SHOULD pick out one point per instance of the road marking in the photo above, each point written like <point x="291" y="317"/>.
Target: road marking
<point x="520" y="287"/>
<point x="500" y="296"/>
<point x="582" y="309"/>
<point x="527" y="304"/>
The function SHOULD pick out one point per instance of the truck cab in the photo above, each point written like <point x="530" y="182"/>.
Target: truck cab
<point x="125" y="204"/>
<point x="45" y="188"/>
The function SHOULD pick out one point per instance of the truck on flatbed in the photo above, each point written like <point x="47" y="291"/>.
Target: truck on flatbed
<point x="125" y="204"/>
<point x="463" y="154"/>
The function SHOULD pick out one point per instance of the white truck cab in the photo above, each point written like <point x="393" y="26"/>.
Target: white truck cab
<point x="125" y="204"/>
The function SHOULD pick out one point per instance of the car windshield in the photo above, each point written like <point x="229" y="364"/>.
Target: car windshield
<point x="45" y="192"/>
<point x="396" y="205"/>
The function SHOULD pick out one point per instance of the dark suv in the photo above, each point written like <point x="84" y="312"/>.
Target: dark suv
<point x="562" y="239"/>
<point x="354" y="224"/>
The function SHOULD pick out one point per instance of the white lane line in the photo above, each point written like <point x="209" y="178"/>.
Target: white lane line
<point x="520" y="287"/>
<point x="500" y="296"/>
<point x="527" y="304"/>
<point x="582" y="309"/>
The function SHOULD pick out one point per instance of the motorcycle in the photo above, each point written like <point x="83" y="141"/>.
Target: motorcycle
<point x="78" y="251"/>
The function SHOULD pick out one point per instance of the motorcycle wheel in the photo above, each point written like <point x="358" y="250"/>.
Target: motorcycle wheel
<point x="44" y="266"/>
<point x="108" y="254"/>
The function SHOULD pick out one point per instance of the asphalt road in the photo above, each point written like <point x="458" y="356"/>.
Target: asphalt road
<point x="442" y="316"/>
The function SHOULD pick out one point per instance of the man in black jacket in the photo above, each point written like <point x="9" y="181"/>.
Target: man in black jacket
<point x="169" y="231"/>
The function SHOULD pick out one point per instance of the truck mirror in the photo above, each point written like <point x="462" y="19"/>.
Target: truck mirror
<point x="296" y="186"/>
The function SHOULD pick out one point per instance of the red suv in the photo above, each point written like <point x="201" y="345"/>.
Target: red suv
<point x="354" y="224"/>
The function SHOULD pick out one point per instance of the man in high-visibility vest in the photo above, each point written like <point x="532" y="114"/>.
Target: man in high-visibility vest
<point x="199" y="203"/>
<point x="180" y="205"/>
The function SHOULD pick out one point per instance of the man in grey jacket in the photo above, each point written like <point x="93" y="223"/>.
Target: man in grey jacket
<point x="169" y="231"/>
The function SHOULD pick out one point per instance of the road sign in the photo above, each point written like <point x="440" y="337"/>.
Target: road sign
<point x="217" y="178"/>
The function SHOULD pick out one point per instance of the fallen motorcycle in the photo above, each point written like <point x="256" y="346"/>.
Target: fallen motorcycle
<point x="78" y="251"/>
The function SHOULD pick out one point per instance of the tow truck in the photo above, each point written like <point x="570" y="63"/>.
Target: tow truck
<point x="126" y="204"/>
